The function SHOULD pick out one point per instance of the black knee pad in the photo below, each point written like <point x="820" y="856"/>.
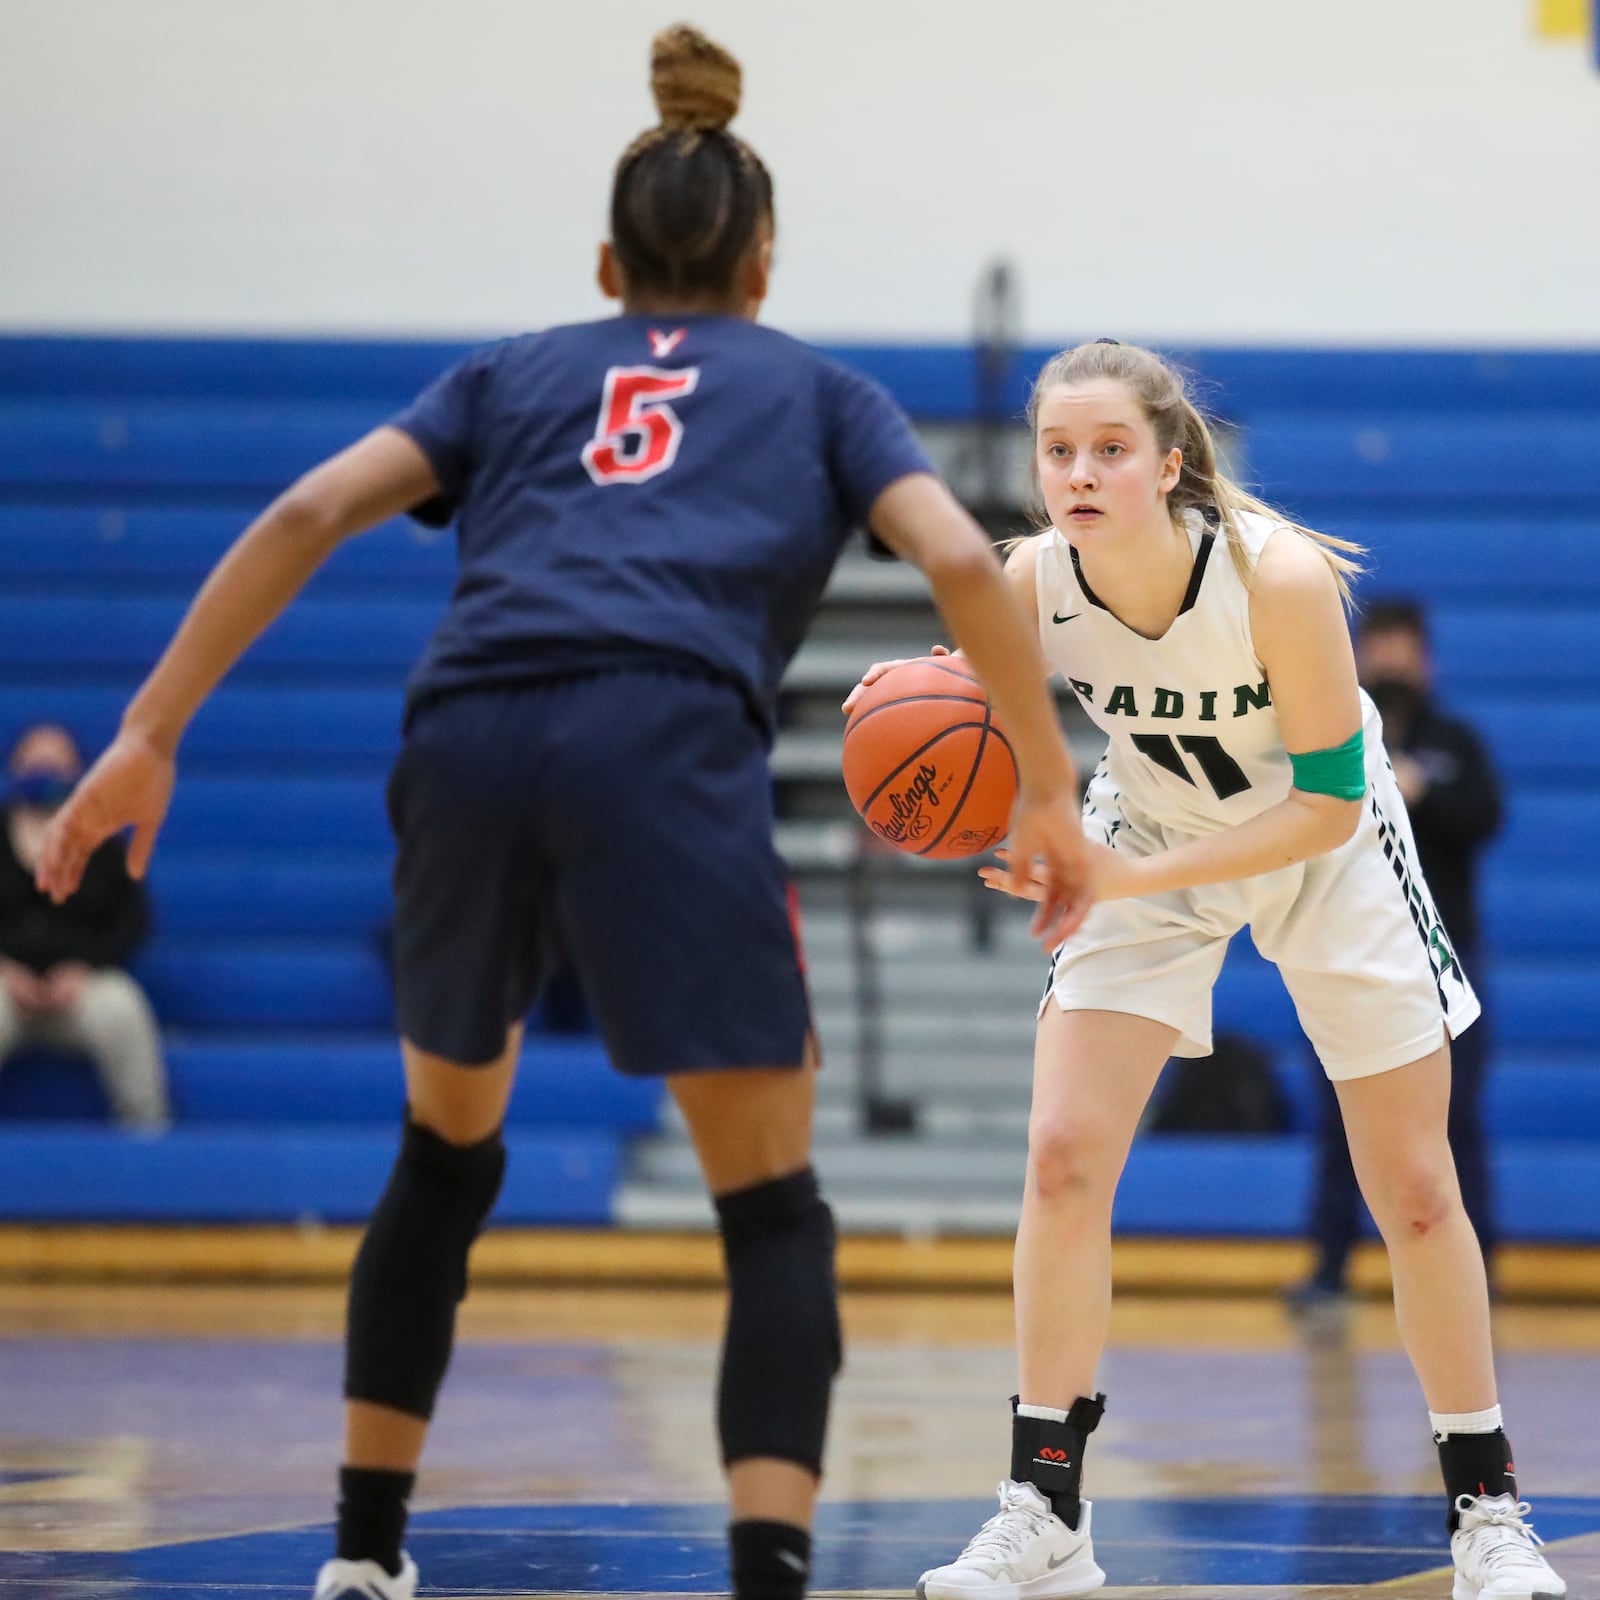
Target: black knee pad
<point x="411" y="1270"/>
<point x="783" y="1344"/>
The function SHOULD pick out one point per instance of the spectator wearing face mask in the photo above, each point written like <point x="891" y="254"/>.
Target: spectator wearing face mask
<point x="62" y="986"/>
<point x="1452" y="796"/>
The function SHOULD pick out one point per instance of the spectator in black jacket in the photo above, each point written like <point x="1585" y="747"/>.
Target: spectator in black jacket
<point x="62" y="985"/>
<point x="1453" y="797"/>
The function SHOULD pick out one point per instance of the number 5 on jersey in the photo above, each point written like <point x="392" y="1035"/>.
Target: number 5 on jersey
<point x="638" y="432"/>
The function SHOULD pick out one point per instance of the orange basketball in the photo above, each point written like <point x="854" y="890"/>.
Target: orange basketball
<point x="926" y="764"/>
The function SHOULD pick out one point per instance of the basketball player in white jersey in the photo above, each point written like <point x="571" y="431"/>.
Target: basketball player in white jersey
<point x="1245" y="784"/>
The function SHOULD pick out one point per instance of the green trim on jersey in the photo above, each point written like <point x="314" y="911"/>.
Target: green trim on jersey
<point x="1341" y="771"/>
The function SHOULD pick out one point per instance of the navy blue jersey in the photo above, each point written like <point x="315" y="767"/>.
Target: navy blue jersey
<point x="646" y="491"/>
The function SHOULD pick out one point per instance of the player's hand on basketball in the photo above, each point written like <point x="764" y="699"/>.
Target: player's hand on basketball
<point x="130" y="786"/>
<point x="1047" y="861"/>
<point x="877" y="670"/>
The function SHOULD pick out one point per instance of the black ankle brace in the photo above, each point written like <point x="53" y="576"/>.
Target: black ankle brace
<point x="1474" y="1464"/>
<point x="1049" y="1454"/>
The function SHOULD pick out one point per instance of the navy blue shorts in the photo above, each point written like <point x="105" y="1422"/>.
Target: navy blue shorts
<point x="622" y="820"/>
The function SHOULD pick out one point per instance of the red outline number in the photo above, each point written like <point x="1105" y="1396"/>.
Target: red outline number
<point x="638" y="433"/>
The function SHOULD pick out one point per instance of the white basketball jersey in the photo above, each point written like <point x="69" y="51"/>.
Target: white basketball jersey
<point x="1194" y="740"/>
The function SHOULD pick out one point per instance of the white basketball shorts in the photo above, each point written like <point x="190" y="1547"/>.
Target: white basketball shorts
<point x="1355" y="934"/>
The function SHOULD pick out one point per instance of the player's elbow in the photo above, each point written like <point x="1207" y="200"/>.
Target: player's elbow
<point x="310" y="512"/>
<point x="1333" y="821"/>
<point x="959" y="565"/>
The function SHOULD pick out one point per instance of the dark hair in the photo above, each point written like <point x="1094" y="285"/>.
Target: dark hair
<point x="689" y="197"/>
<point x="1395" y="614"/>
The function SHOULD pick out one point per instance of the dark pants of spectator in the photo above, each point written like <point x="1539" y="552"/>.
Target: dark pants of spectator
<point x="1337" y="1209"/>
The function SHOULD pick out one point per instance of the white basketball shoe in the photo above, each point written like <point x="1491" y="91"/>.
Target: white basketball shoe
<point x="1496" y="1552"/>
<point x="1023" y="1552"/>
<point x="366" y="1580"/>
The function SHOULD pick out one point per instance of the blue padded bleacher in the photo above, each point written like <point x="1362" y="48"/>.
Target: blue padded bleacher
<point x="280" y="1172"/>
<point x="138" y="446"/>
<point x="1476" y="647"/>
<point x="1540" y="1000"/>
<point x="135" y="550"/>
<point x="1469" y="556"/>
<point x="255" y="893"/>
<point x="238" y="727"/>
<point x="126" y="469"/>
<point x="1209" y="1184"/>
<point x="934" y="382"/>
<point x="122" y="635"/>
<point x="304" y="1078"/>
<point x="1398" y="459"/>
<point x="128" y="466"/>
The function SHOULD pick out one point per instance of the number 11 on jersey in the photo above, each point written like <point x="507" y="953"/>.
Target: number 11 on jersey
<point x="638" y="433"/>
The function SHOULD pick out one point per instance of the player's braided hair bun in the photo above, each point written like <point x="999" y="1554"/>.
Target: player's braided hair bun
<point x="690" y="197"/>
<point x="695" y="82"/>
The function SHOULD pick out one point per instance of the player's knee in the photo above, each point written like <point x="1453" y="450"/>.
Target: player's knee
<point x="1069" y="1161"/>
<point x="115" y="1005"/>
<point x="783" y="1342"/>
<point x="411" y="1270"/>
<point x="1421" y="1195"/>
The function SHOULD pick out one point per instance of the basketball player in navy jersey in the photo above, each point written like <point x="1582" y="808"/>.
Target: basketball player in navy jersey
<point x="647" y="511"/>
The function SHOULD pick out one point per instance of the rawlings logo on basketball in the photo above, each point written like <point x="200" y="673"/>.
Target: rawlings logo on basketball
<point x="909" y="821"/>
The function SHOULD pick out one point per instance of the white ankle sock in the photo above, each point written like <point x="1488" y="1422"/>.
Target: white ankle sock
<point x="1446" y="1422"/>
<point x="1049" y="1413"/>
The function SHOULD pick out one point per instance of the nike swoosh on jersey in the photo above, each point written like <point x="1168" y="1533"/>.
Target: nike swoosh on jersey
<point x="1068" y="618"/>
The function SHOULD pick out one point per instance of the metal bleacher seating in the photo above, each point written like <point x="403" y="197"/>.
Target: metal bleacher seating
<point x="127" y="466"/>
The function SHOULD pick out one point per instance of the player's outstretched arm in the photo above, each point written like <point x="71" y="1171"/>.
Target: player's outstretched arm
<point x="131" y="784"/>
<point x="919" y="519"/>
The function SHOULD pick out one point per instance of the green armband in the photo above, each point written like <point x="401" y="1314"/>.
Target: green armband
<point x="1341" y="771"/>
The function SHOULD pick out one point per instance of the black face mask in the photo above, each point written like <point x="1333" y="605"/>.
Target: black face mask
<point x="1398" y="700"/>
<point x="37" y="791"/>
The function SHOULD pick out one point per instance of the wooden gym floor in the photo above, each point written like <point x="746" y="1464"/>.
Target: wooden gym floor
<point x="161" y="1441"/>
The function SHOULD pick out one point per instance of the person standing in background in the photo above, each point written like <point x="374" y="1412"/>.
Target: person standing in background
<point x="62" y="986"/>
<point x="1452" y="795"/>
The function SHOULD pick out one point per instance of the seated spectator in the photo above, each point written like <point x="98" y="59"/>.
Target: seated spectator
<point x="62" y="986"/>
